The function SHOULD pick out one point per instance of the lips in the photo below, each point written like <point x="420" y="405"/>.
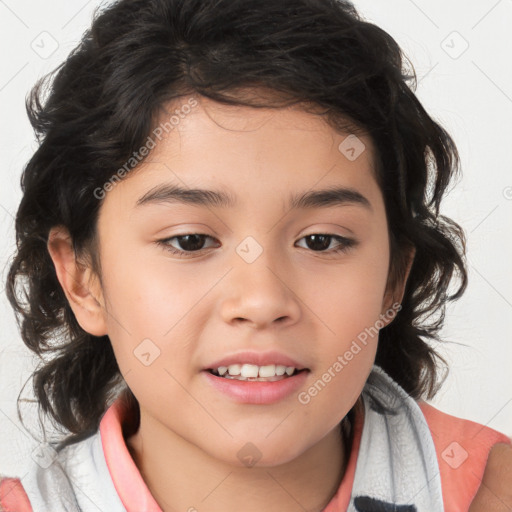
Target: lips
<point x="258" y="390"/>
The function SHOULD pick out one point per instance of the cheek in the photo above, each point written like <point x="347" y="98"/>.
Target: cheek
<point x="350" y="306"/>
<point x="149" y="296"/>
<point x="349" y="297"/>
<point x="334" y="391"/>
<point x="367" y="282"/>
<point x="145" y="312"/>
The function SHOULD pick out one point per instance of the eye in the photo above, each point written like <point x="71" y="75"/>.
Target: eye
<point x="190" y="242"/>
<point x="195" y="242"/>
<point x="319" y="242"/>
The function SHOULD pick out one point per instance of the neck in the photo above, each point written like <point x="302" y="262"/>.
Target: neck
<point x="180" y="476"/>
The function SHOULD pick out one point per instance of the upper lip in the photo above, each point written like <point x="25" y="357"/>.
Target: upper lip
<point x="257" y="358"/>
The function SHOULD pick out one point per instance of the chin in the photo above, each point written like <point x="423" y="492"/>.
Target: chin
<point x="260" y="454"/>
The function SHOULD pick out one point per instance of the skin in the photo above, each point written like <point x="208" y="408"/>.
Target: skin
<point x="495" y="492"/>
<point x="303" y="302"/>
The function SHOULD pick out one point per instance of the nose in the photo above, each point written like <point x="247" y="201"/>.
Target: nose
<point x="260" y="294"/>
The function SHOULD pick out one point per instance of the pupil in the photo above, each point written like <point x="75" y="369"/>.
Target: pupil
<point x="319" y="242"/>
<point x="185" y="242"/>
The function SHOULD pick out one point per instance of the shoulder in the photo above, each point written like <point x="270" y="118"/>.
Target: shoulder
<point x="445" y="425"/>
<point x="495" y="491"/>
<point x="463" y="448"/>
<point x="12" y="496"/>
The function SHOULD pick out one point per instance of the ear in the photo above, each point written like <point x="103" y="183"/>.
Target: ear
<point x="80" y="284"/>
<point x="395" y="287"/>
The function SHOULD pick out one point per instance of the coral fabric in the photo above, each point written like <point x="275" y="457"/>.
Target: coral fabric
<point x="129" y="484"/>
<point x="462" y="449"/>
<point x="13" y="497"/>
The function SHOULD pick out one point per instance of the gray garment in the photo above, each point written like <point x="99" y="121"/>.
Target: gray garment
<point x="77" y="480"/>
<point x="396" y="469"/>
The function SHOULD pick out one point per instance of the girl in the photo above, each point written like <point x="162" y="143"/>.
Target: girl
<point x="280" y="361"/>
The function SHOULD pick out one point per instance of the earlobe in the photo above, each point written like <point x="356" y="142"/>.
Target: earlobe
<point x="79" y="283"/>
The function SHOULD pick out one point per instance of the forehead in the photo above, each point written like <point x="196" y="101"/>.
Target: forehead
<point x="208" y="118"/>
<point x="244" y="150"/>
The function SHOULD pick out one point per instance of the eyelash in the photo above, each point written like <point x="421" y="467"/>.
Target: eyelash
<point x="345" y="244"/>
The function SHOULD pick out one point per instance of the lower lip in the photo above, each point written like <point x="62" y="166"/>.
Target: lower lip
<point x="255" y="392"/>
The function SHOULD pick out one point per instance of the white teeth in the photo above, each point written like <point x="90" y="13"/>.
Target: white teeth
<point x="248" y="370"/>
<point x="267" y="371"/>
<point x="280" y="369"/>
<point x="245" y="371"/>
<point x="234" y="369"/>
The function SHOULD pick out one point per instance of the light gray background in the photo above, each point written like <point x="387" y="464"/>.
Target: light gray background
<point x="468" y="90"/>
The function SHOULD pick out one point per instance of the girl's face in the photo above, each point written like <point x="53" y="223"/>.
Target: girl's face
<point x="272" y="272"/>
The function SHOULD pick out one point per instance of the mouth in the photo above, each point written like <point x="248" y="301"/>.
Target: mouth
<point x="257" y="385"/>
<point x="254" y="373"/>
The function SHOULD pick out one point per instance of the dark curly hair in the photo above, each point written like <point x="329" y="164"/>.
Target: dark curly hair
<point x="99" y="106"/>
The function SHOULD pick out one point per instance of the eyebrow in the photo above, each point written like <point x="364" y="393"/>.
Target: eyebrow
<point x="334" y="196"/>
